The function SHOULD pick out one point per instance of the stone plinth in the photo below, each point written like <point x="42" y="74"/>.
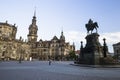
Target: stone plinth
<point x="92" y="51"/>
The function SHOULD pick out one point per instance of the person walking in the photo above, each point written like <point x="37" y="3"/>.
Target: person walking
<point x="50" y="61"/>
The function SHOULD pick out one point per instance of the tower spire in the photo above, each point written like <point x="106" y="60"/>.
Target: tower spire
<point x="35" y="12"/>
<point x="32" y="36"/>
<point x="34" y="17"/>
<point x="62" y="37"/>
<point x="62" y="31"/>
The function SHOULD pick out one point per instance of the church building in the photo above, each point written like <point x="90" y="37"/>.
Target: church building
<point x="15" y="49"/>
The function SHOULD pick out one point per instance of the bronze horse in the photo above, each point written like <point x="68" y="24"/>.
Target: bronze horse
<point x="91" y="26"/>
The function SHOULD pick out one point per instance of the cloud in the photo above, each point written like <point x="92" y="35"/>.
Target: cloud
<point x="74" y="36"/>
<point x="77" y="37"/>
<point x="111" y="38"/>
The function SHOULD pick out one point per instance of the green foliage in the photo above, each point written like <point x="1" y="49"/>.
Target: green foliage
<point x="72" y="55"/>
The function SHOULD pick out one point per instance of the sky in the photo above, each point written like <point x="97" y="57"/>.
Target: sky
<point x="53" y="16"/>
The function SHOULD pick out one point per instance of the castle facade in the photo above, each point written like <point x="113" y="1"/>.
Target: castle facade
<point x="15" y="49"/>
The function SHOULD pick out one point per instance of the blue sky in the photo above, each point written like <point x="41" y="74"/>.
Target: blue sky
<point x="53" y="16"/>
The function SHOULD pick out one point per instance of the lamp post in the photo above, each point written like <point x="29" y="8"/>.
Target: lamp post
<point x="20" y="59"/>
<point x="104" y="48"/>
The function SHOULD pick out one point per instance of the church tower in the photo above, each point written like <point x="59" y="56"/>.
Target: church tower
<point x="62" y="42"/>
<point x="32" y="36"/>
<point x="62" y="37"/>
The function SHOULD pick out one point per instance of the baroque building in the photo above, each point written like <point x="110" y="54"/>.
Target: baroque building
<point x="15" y="49"/>
<point x="116" y="48"/>
<point x="56" y="49"/>
<point x="10" y="47"/>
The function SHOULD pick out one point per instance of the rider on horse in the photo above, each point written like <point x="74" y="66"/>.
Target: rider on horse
<point x="91" y="26"/>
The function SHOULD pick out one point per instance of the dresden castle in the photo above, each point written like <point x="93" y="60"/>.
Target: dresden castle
<point x="15" y="49"/>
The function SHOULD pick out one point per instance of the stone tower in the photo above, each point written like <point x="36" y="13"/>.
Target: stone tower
<point x="62" y="37"/>
<point x="62" y="44"/>
<point x="32" y="36"/>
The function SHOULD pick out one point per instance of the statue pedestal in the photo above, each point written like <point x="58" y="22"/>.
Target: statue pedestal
<point x="92" y="52"/>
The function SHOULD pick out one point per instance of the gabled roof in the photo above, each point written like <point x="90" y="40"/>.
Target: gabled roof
<point x="55" y="38"/>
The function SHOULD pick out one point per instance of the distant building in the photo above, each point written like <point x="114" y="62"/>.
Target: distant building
<point x="56" y="48"/>
<point x="15" y="49"/>
<point x="116" y="48"/>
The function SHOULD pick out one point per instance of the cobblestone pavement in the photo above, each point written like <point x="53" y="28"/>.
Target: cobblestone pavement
<point x="58" y="70"/>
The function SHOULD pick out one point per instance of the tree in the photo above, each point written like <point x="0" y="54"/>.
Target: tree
<point x="72" y="55"/>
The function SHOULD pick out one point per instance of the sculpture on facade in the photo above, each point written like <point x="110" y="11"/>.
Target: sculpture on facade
<point x="90" y="26"/>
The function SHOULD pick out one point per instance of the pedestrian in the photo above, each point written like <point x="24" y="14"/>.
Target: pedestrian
<point x="20" y="60"/>
<point x="50" y="62"/>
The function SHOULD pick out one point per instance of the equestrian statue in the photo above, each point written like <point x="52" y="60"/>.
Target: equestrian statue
<point x="90" y="26"/>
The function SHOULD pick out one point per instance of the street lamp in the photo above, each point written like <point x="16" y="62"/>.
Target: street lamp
<point x="20" y="59"/>
<point x="104" y="48"/>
